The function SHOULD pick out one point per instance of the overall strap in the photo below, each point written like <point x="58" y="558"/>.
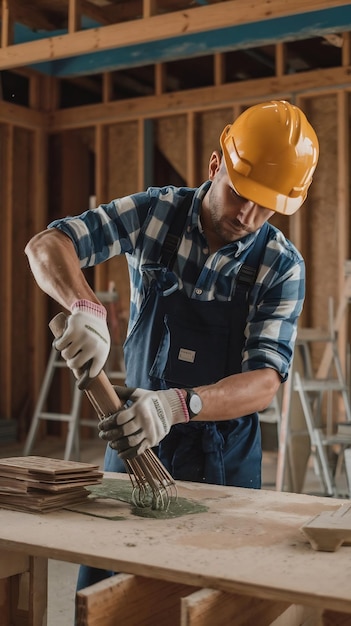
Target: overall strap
<point x="248" y="272"/>
<point x="173" y="237"/>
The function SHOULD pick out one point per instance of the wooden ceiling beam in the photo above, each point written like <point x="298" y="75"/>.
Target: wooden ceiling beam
<point x="206" y="98"/>
<point x="22" y="116"/>
<point x="155" y="28"/>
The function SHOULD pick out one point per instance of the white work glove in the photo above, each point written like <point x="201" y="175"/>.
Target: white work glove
<point x="142" y="425"/>
<point x="85" y="342"/>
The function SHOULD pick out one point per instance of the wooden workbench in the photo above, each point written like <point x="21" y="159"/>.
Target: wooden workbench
<point x="247" y="543"/>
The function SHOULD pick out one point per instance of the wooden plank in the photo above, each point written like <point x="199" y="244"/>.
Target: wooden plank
<point x="25" y="603"/>
<point x="149" y="8"/>
<point x="100" y="271"/>
<point x="142" y="158"/>
<point x="206" y="98"/>
<point x="329" y="530"/>
<point x="38" y="590"/>
<point x="218" y="548"/>
<point x="7" y="287"/>
<point x="107" y="87"/>
<point x="74" y="15"/>
<point x="38" y="301"/>
<point x="7" y="24"/>
<point x="191" y="151"/>
<point x="208" y="606"/>
<point x="22" y="116"/>
<point x="128" y="599"/>
<point x="280" y="59"/>
<point x="219" y="69"/>
<point x="5" y="607"/>
<point x="343" y="200"/>
<point x="160" y="78"/>
<point x="133" y="599"/>
<point x="157" y="27"/>
<point x="346" y="49"/>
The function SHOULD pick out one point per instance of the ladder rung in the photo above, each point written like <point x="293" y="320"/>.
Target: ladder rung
<point x="61" y="417"/>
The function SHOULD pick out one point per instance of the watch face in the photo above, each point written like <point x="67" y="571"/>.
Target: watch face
<point x="195" y="404"/>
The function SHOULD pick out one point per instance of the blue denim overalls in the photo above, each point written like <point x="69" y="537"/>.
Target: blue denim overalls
<point x="182" y="342"/>
<point x="209" y="338"/>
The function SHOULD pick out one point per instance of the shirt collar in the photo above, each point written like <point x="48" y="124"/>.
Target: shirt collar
<point x="196" y="205"/>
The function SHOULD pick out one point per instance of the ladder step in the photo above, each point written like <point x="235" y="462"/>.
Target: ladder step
<point x="72" y="418"/>
<point x="60" y="417"/>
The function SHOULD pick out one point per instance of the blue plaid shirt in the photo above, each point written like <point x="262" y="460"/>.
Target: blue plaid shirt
<point x="136" y="226"/>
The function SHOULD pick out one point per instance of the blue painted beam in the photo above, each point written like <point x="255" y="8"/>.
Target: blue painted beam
<point x="301" y="26"/>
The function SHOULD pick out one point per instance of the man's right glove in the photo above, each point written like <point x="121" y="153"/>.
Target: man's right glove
<point x="85" y="342"/>
<point x="132" y="430"/>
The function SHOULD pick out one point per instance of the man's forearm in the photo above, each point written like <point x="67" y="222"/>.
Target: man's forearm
<point x="238" y="395"/>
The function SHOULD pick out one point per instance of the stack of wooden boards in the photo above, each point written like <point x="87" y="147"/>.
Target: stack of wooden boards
<point x="41" y="484"/>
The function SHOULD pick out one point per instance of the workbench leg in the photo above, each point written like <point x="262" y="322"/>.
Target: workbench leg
<point x="5" y="607"/>
<point x="18" y="607"/>
<point x="13" y="567"/>
<point x="29" y="599"/>
<point x="38" y="591"/>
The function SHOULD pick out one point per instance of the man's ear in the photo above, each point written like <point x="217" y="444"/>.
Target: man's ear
<point x="214" y="164"/>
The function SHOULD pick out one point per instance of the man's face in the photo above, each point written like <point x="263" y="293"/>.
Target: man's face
<point x="231" y="216"/>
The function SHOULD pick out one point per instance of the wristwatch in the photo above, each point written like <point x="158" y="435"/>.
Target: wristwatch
<point x="193" y="403"/>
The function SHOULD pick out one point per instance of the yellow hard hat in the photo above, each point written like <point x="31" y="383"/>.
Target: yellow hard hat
<point x="271" y="152"/>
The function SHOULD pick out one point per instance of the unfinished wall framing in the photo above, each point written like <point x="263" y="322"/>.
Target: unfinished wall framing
<point x="113" y="147"/>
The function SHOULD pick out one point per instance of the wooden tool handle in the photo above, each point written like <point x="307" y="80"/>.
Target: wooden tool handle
<point x="99" y="390"/>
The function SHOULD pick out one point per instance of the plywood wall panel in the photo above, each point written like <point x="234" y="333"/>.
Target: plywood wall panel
<point x="210" y="124"/>
<point x="17" y="192"/>
<point x="21" y="208"/>
<point x="122" y="163"/>
<point x="6" y="187"/>
<point x="320" y="219"/>
<point x="170" y="134"/>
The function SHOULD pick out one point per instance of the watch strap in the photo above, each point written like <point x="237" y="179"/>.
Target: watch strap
<point x="189" y="394"/>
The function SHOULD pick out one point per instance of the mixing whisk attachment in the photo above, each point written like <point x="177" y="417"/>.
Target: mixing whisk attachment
<point x="153" y="486"/>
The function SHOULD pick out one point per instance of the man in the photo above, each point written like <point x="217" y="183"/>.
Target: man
<point x="212" y="320"/>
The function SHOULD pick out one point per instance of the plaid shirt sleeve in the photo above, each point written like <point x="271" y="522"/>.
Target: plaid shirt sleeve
<point x="276" y="305"/>
<point x="109" y="230"/>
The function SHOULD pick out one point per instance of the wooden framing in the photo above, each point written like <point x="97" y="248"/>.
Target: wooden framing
<point x="150" y="29"/>
<point x="202" y="111"/>
<point x="7" y="287"/>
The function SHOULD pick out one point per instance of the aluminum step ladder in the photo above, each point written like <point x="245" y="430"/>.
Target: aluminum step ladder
<point x="72" y="418"/>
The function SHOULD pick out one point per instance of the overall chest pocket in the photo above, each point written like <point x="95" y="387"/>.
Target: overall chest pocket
<point x="191" y="353"/>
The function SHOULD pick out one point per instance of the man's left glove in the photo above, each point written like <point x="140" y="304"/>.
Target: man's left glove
<point x="85" y="342"/>
<point x="142" y="425"/>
